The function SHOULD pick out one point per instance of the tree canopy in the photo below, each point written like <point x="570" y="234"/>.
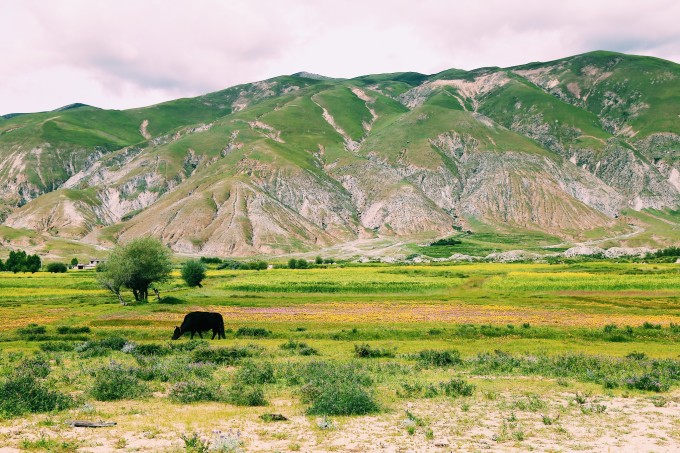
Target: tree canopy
<point x="136" y="266"/>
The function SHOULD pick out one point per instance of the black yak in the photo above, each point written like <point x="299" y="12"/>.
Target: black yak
<point x="201" y="321"/>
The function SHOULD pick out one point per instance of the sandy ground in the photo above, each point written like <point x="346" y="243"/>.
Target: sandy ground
<point x="504" y="421"/>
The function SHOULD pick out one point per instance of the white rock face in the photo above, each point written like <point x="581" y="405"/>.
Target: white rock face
<point x="583" y="250"/>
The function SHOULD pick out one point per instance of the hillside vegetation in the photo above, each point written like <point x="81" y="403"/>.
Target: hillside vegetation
<point x="575" y="149"/>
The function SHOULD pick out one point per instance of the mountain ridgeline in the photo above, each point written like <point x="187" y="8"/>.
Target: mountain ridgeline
<point x="575" y="149"/>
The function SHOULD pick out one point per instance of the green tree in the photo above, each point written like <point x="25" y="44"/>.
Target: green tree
<point x="16" y="261"/>
<point x="57" y="268"/>
<point x="2" y="266"/>
<point x="74" y="262"/>
<point x="33" y="264"/>
<point x="292" y="263"/>
<point x="318" y="260"/>
<point x="302" y="264"/>
<point x="136" y="266"/>
<point x="193" y="273"/>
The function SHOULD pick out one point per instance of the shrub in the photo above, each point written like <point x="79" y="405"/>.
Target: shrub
<point x="73" y="330"/>
<point x="56" y="268"/>
<point x="193" y="273"/>
<point x="252" y="332"/>
<point x="609" y="328"/>
<point x="647" y="381"/>
<point x="433" y="358"/>
<point x="292" y="263"/>
<point x="635" y="355"/>
<point x="56" y="346"/>
<point x="194" y="444"/>
<point x="256" y="265"/>
<point x="224" y="356"/>
<point x="25" y="391"/>
<point x="251" y="373"/>
<point x="210" y="260"/>
<point x="172" y="369"/>
<point x="649" y="325"/>
<point x="299" y="347"/>
<point x="334" y="389"/>
<point x="194" y="391"/>
<point x="241" y="395"/>
<point x="302" y="264"/>
<point x="318" y="260"/>
<point x="153" y="349"/>
<point x="366" y="351"/>
<point x="31" y="330"/>
<point x="170" y="300"/>
<point x="457" y="387"/>
<point x="116" y="382"/>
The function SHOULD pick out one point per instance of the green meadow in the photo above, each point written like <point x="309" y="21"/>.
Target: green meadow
<point x="537" y="350"/>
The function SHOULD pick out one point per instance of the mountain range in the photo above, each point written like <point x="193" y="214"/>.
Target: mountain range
<point x="585" y="148"/>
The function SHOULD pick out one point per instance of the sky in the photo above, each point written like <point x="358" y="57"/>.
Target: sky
<point x="131" y="53"/>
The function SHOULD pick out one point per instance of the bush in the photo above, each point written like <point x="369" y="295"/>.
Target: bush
<point x="366" y="351"/>
<point x="648" y="382"/>
<point x="432" y="358"/>
<point x="299" y="347"/>
<point x="151" y="349"/>
<point x="210" y="260"/>
<point x="116" y="382"/>
<point x="25" y="391"/>
<point x="22" y="393"/>
<point x="446" y="241"/>
<point x="333" y="389"/>
<point x="194" y="391"/>
<point x="57" y="268"/>
<point x="292" y="263"/>
<point x="241" y="395"/>
<point x="302" y="264"/>
<point x="31" y="330"/>
<point x="169" y="300"/>
<point x="73" y="330"/>
<point x="193" y="273"/>
<point x="56" y="346"/>
<point x="252" y="332"/>
<point x="257" y="265"/>
<point x="252" y="373"/>
<point x="224" y="356"/>
<point x="457" y="387"/>
<point x="318" y="260"/>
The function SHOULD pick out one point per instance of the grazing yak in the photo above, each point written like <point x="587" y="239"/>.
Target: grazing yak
<point x="201" y="321"/>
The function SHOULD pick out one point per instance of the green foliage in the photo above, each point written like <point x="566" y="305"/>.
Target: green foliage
<point x="299" y="347"/>
<point x="56" y="346"/>
<point x="116" y="382"/>
<point x="257" y="332"/>
<point x="194" y="444"/>
<point x="26" y="391"/>
<point x="432" y="358"/>
<point x="74" y="262"/>
<point x="255" y="373"/>
<point x="457" y="387"/>
<point x="446" y="241"/>
<point x="19" y="261"/>
<point x="73" y="330"/>
<point x="210" y="260"/>
<point x="224" y="356"/>
<point x="193" y="273"/>
<point x="243" y="395"/>
<point x="32" y="330"/>
<point x="334" y="389"/>
<point x="292" y="263"/>
<point x="136" y="266"/>
<point x="318" y="260"/>
<point x="56" y="268"/>
<point x="366" y="351"/>
<point x="194" y="391"/>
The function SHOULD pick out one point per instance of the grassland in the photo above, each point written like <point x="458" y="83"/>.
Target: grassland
<point x="429" y="358"/>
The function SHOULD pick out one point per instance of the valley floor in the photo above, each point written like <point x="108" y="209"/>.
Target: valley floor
<point x="468" y="357"/>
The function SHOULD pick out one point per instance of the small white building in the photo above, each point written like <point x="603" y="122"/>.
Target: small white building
<point x="91" y="265"/>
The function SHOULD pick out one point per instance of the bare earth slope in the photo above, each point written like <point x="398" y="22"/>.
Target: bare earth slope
<point x="568" y="148"/>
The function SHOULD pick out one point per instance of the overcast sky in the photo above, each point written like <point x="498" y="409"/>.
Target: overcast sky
<point x="129" y="53"/>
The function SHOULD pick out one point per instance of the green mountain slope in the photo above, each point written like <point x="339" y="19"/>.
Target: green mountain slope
<point x="571" y="149"/>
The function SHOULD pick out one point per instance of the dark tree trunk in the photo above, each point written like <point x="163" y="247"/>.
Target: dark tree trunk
<point x="158" y="294"/>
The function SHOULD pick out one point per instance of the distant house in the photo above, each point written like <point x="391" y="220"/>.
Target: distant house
<point x="91" y="265"/>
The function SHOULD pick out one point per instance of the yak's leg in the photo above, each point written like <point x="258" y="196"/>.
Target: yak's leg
<point x="192" y="334"/>
<point x="214" y="333"/>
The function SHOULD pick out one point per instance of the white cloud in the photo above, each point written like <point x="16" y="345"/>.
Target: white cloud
<point x="120" y="54"/>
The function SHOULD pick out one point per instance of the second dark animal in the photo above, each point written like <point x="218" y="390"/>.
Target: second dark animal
<point x="201" y="321"/>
